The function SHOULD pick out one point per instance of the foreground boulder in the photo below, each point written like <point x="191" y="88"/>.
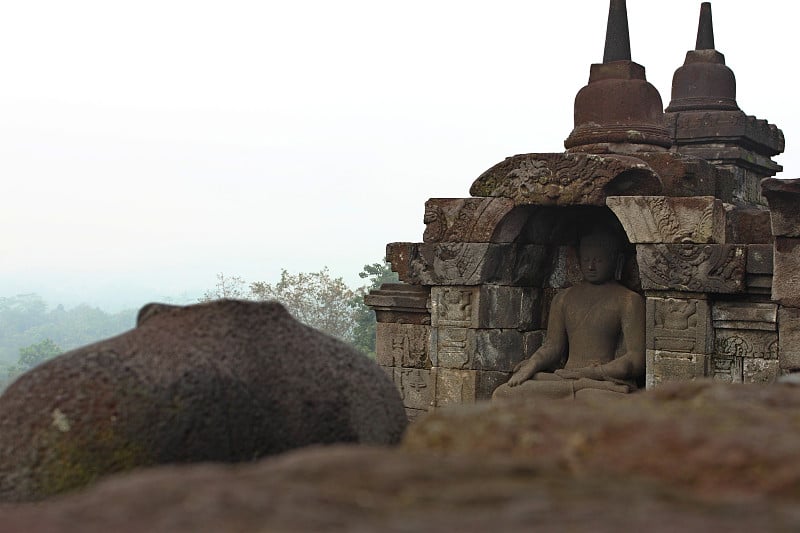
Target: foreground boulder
<point x="222" y="381"/>
<point x="692" y="457"/>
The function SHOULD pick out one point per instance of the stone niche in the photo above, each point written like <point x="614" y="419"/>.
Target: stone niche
<point x="713" y="249"/>
<point x="475" y="293"/>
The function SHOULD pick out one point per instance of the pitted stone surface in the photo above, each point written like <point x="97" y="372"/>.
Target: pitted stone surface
<point x="223" y="381"/>
<point x="688" y="457"/>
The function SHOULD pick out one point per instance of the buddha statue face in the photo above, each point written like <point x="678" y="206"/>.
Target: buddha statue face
<point x="598" y="253"/>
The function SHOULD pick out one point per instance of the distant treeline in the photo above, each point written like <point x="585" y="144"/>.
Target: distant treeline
<point x="25" y="320"/>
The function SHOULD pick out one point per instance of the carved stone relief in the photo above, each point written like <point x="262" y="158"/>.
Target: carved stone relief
<point x="467" y="263"/>
<point x="714" y="268"/>
<point x="678" y="325"/>
<point x="563" y="178"/>
<point x="455" y="306"/>
<point x="726" y="368"/>
<point x="403" y="345"/>
<point x="464" y="219"/>
<point x="661" y="219"/>
<point x="415" y="387"/>
<point x="747" y="343"/>
<point x="452" y="347"/>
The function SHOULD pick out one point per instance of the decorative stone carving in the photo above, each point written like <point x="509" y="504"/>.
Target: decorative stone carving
<point x="726" y="368"/>
<point x="714" y="268"/>
<point x="464" y="219"/>
<point x="452" y="347"/>
<point x="468" y="263"/>
<point x="455" y="306"/>
<point x="663" y="366"/>
<point x="403" y="345"/>
<point x="487" y="306"/>
<point x="678" y="325"/>
<point x="661" y="219"/>
<point x="416" y="387"/>
<point x="750" y="344"/>
<point x="566" y="179"/>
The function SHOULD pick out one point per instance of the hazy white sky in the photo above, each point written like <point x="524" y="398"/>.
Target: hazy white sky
<point x="146" y="146"/>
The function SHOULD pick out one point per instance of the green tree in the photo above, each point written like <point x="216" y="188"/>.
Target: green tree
<point x="315" y="298"/>
<point x="35" y="354"/>
<point x="226" y="287"/>
<point x="365" y="327"/>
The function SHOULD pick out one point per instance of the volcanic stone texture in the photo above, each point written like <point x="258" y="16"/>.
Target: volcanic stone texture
<point x="222" y="381"/>
<point x="692" y="457"/>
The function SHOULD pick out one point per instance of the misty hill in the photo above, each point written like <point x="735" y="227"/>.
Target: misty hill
<point x="25" y="320"/>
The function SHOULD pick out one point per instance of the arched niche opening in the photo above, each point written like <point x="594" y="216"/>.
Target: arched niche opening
<point x="556" y="231"/>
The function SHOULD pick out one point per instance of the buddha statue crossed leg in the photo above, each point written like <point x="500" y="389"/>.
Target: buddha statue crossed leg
<point x="598" y="323"/>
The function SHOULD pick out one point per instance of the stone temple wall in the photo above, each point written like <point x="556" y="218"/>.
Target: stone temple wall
<point x="475" y="293"/>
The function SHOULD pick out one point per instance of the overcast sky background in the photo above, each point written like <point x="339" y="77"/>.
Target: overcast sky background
<point x="146" y="146"/>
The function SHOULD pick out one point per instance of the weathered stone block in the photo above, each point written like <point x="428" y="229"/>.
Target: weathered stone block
<point x="789" y="338"/>
<point x="760" y="259"/>
<point x="465" y="219"/>
<point x="760" y="370"/>
<point x="400" y="302"/>
<point x="665" y="366"/>
<point x="405" y="345"/>
<point x="726" y="368"/>
<point x="714" y="268"/>
<point x="679" y="325"/>
<point x="453" y="347"/>
<point x="487" y="382"/>
<point x="498" y="349"/>
<point x="786" y="277"/>
<point x="783" y="197"/>
<point x="468" y="263"/>
<point x="414" y="414"/>
<point x="747" y="343"/>
<point x="454" y="387"/>
<point x="565" y="270"/>
<point x="745" y="315"/>
<point x="502" y="306"/>
<point x="682" y="175"/>
<point x="390" y="371"/>
<point x="749" y="226"/>
<point x="759" y="284"/>
<point x="416" y="387"/>
<point x="661" y="219"/>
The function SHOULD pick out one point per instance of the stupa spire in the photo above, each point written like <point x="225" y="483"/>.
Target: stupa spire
<point x="618" y="41"/>
<point x="618" y="111"/>
<point x="705" y="28"/>
<point x="704" y="82"/>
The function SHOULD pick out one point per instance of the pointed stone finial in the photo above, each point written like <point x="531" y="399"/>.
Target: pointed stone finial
<point x="618" y="111"/>
<point x="705" y="29"/>
<point x="618" y="41"/>
<point x="704" y="82"/>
